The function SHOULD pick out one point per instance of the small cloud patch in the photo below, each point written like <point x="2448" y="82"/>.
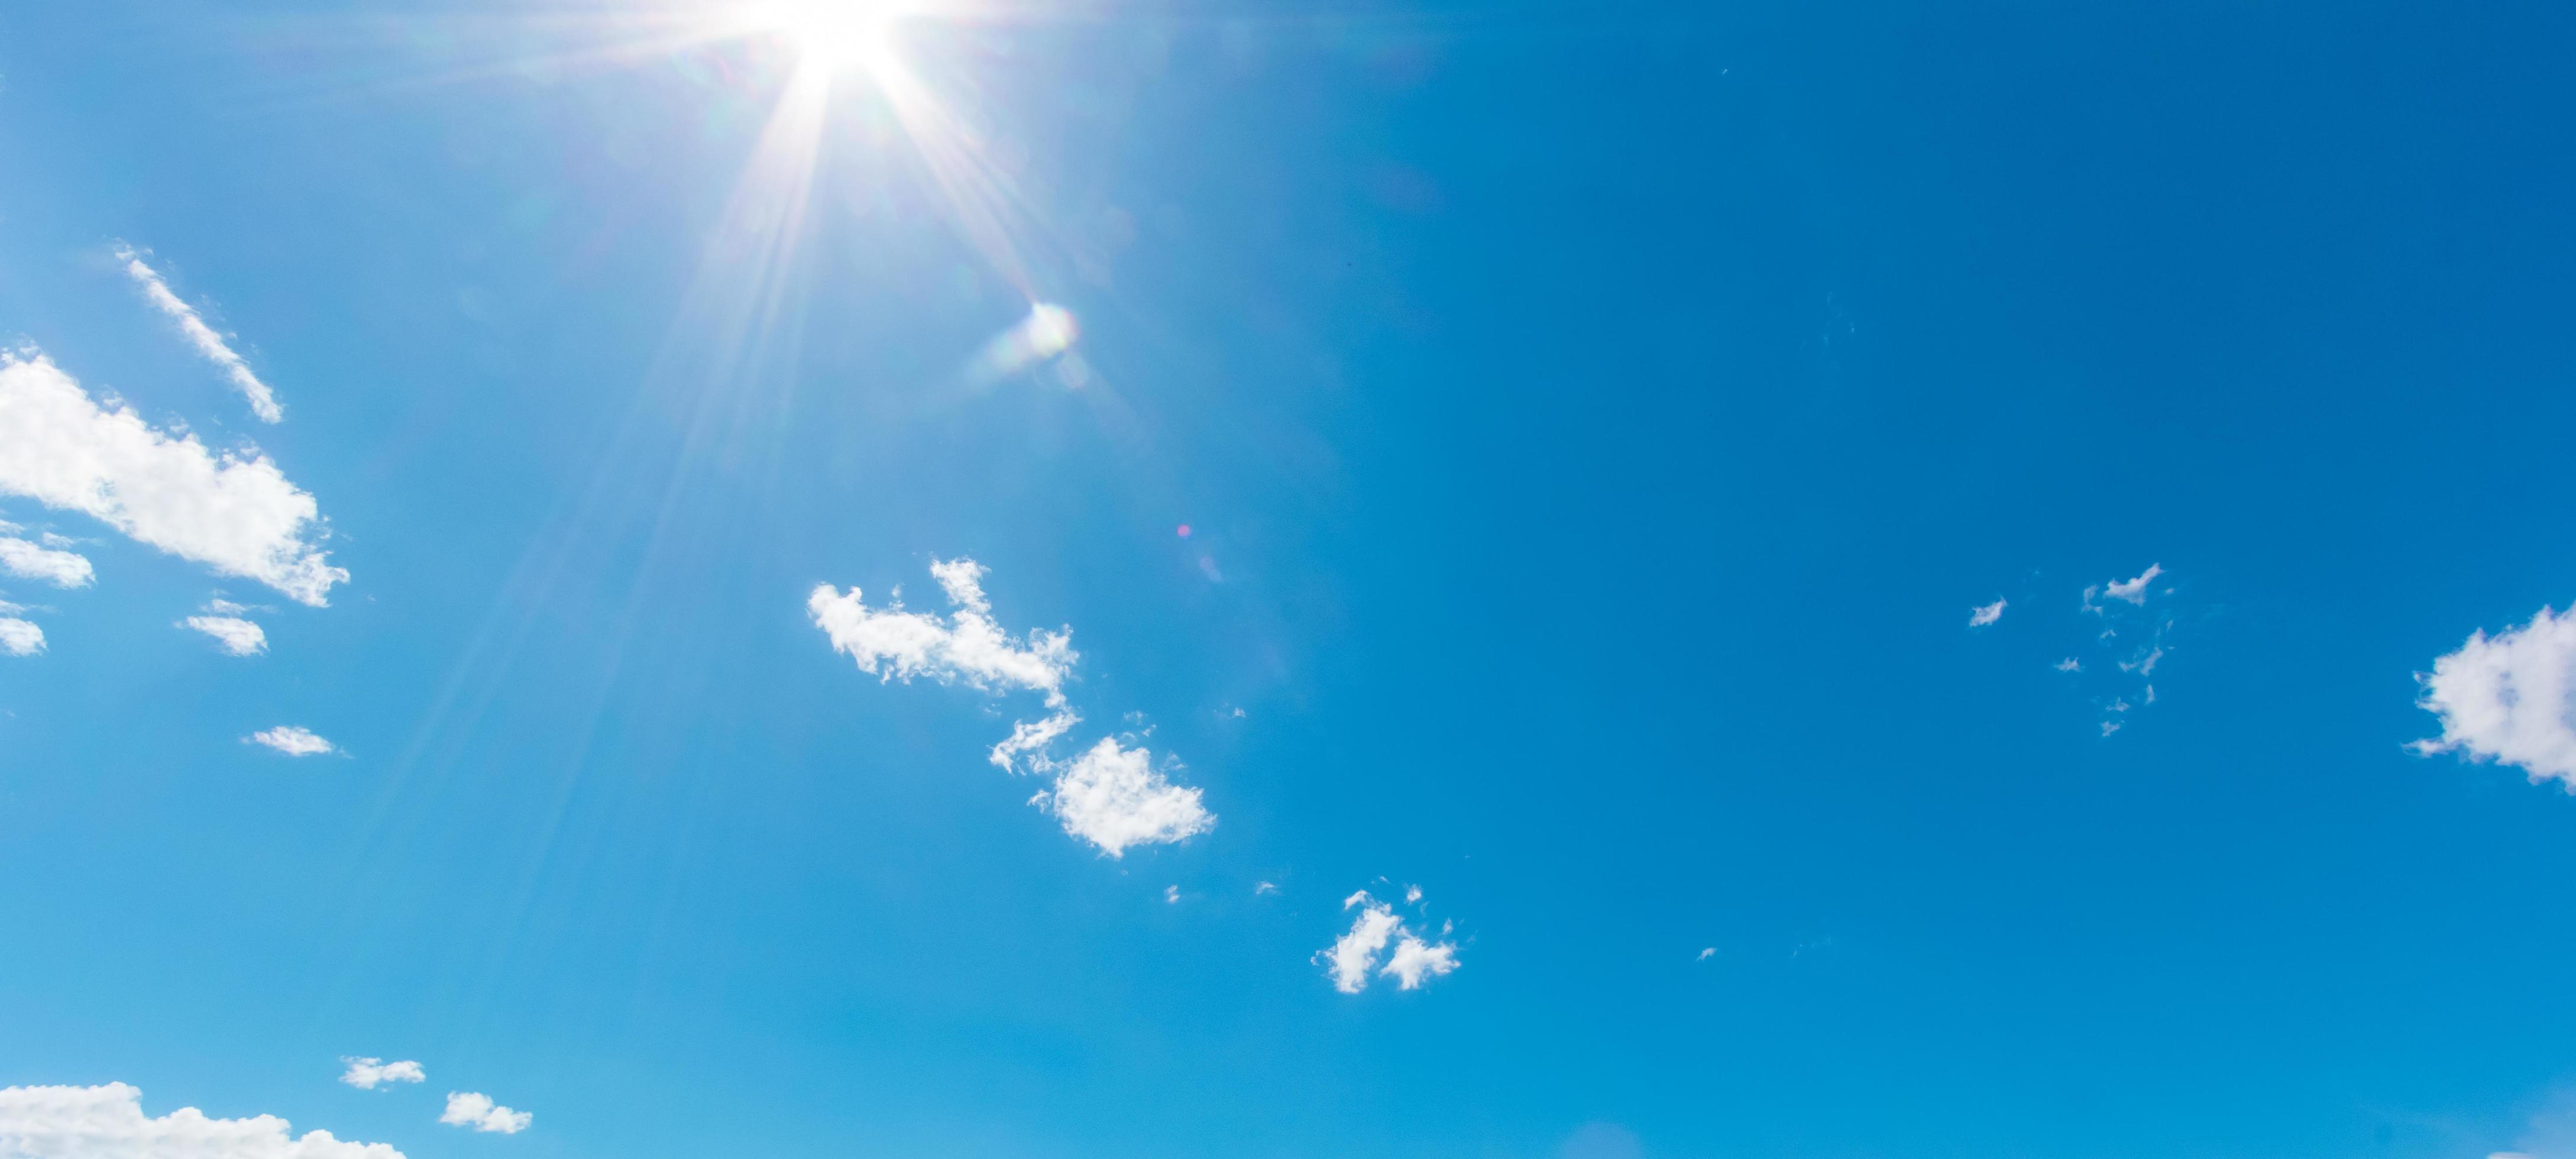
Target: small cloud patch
<point x="472" y="1109"/>
<point x="292" y="740"/>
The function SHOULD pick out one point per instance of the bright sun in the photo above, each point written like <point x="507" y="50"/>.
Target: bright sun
<point x="833" y="32"/>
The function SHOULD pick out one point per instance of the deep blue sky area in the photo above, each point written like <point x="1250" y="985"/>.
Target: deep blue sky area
<point x="1545" y="455"/>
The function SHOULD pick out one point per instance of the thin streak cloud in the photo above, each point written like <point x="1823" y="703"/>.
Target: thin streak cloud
<point x="263" y="401"/>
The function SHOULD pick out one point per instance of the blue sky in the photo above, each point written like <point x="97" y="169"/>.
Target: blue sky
<point x="1597" y="429"/>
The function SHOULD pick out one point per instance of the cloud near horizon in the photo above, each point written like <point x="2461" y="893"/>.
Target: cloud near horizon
<point x="107" y="1122"/>
<point x="263" y="401"/>
<point x="235" y="513"/>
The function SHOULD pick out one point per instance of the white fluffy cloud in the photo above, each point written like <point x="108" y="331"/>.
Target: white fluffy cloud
<point x="1351" y="957"/>
<point x="291" y="740"/>
<point x="19" y="637"/>
<point x="1980" y="617"/>
<point x="2510" y="697"/>
<point x="367" y="1074"/>
<point x="1348" y="959"/>
<point x="969" y="648"/>
<point x="30" y="560"/>
<point x="108" y="1123"/>
<point x="238" y="636"/>
<point x="1113" y="797"/>
<point x="237" y="515"/>
<point x="469" y="1109"/>
<point x="1415" y="960"/>
<point x="263" y="401"/>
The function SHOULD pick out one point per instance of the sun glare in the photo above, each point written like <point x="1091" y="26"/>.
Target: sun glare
<point x="832" y="32"/>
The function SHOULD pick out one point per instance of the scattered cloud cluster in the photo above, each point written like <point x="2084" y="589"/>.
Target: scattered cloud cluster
<point x="235" y="513"/>
<point x="107" y="1122"/>
<point x="2126" y="642"/>
<point x="367" y="1074"/>
<point x="2133" y="636"/>
<point x="292" y="740"/>
<point x="472" y="1109"/>
<point x="2510" y="698"/>
<point x="263" y="401"/>
<point x="1352" y="958"/>
<point x="1111" y="795"/>
<point x="2119" y="632"/>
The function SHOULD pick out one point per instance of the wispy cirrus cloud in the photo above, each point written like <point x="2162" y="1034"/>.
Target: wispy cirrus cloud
<point x="107" y="1122"/>
<point x="263" y="401"/>
<point x="1981" y="616"/>
<point x="1416" y="959"/>
<point x="1114" y="796"/>
<point x="2509" y="698"/>
<point x="235" y="513"/>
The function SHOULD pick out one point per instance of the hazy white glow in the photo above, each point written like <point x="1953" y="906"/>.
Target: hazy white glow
<point x="1049" y="330"/>
<point x="832" y="32"/>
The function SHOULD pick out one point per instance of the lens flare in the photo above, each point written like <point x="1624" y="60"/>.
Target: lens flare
<point x="1048" y="331"/>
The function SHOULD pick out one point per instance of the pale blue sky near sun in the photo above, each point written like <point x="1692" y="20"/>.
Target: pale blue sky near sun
<point x="1594" y="425"/>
